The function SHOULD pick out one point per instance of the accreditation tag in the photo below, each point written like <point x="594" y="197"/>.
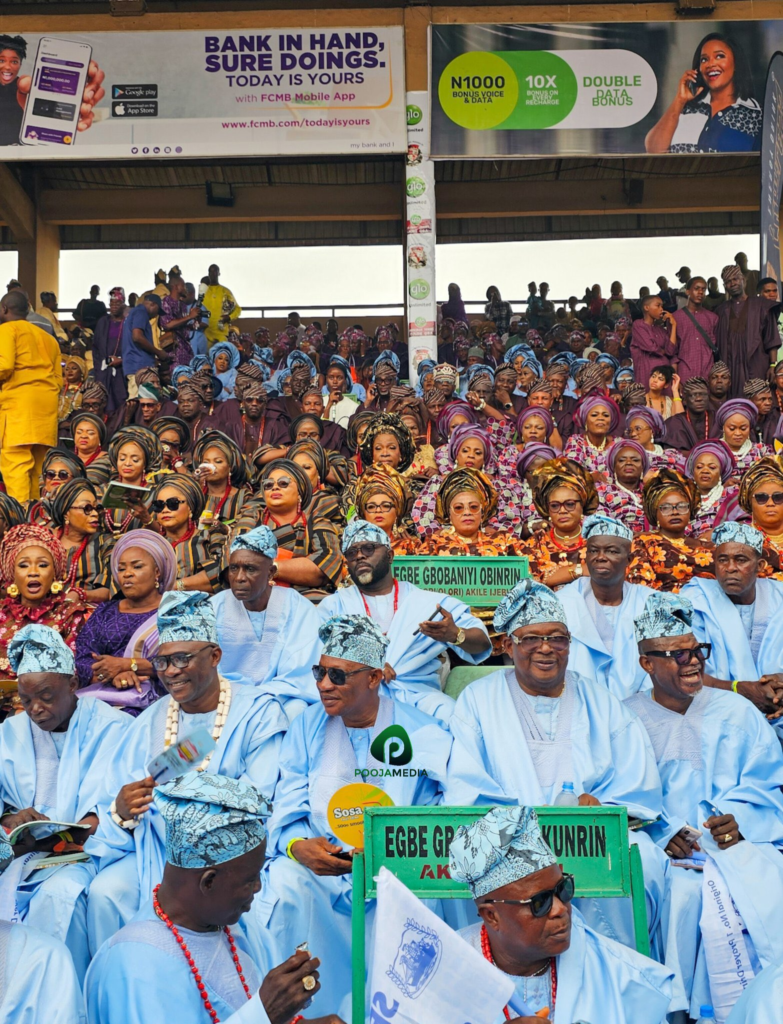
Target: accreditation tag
<point x="183" y="756"/>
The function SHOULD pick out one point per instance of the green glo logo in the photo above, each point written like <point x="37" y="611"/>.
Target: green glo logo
<point x="392" y="746"/>
<point x="413" y="114"/>
<point x="418" y="288"/>
<point x="415" y="187"/>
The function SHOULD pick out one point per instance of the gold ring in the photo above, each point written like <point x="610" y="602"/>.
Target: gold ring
<point x="122" y="682"/>
<point x="727" y="838"/>
<point x="309" y="982"/>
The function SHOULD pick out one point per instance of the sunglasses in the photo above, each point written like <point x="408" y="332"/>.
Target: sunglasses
<point x="283" y="481"/>
<point x="763" y="498"/>
<point x="172" y="504"/>
<point x="57" y="474"/>
<point x="365" y="550"/>
<point x="569" y="506"/>
<point x="88" y="509"/>
<point x="179" y="660"/>
<point x="684" y="654"/>
<point x="541" y="903"/>
<point x="336" y="675"/>
<point x="558" y="642"/>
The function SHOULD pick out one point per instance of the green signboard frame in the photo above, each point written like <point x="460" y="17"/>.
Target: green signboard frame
<point x="479" y="582"/>
<point x="413" y="843"/>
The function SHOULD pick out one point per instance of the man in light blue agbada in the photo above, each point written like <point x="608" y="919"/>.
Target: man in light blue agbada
<point x="37" y="977"/>
<point x="329" y="747"/>
<point x="418" y="637"/>
<point x="268" y="635"/>
<point x="741" y="616"/>
<point x="247" y="725"/>
<point x="600" y="609"/>
<point x="522" y="733"/>
<point x="530" y="930"/>
<point x="182" y="958"/>
<point x="53" y="761"/>
<point x="722" y="770"/>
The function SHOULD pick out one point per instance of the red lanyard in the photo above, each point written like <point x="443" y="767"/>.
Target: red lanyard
<point x="396" y="601"/>
<point x="487" y="951"/>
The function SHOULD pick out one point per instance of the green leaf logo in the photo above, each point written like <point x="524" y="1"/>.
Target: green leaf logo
<point x="392" y="746"/>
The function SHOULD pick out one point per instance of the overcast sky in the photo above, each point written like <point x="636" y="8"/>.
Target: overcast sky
<point x="373" y="274"/>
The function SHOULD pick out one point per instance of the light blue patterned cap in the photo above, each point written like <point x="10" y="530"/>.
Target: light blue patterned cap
<point x="664" y="615"/>
<point x="739" y="533"/>
<point x="359" y="531"/>
<point x="526" y="604"/>
<point x="40" y="649"/>
<point x="6" y="851"/>
<point x="260" y="539"/>
<point x="354" y="638"/>
<point x="499" y="849"/>
<point x="185" y="617"/>
<point x="210" y="819"/>
<point x="602" y="526"/>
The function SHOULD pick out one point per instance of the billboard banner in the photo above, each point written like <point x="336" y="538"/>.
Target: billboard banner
<point x="772" y="170"/>
<point x="249" y="92"/>
<point x="422" y="309"/>
<point x="506" y="91"/>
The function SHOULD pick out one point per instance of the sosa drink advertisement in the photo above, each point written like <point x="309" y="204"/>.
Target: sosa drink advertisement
<point x="599" y="89"/>
<point x="190" y="94"/>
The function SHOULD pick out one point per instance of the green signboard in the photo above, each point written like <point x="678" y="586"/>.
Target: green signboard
<point x="479" y="582"/>
<point x="413" y="843"/>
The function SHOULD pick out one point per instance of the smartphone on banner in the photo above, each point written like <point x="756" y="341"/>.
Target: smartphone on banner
<point x="51" y="114"/>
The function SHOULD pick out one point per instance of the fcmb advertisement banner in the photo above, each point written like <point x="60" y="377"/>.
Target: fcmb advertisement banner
<point x="249" y="92"/>
<point x="599" y="89"/>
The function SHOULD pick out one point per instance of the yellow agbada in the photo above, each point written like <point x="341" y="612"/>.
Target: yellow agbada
<point x="31" y="377"/>
<point x="223" y="309"/>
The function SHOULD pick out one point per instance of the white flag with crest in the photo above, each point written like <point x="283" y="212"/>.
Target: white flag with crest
<point x="422" y="971"/>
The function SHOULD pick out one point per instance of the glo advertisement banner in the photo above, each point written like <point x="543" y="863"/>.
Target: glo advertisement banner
<point x="772" y="170"/>
<point x="249" y="92"/>
<point x="505" y="91"/>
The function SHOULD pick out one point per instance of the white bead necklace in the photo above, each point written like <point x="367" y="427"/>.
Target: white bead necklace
<point x="172" y="720"/>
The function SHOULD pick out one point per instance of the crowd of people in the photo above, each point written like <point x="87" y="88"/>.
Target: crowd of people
<point x="198" y="529"/>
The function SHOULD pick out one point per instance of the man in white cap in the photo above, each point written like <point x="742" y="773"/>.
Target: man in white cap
<point x="722" y="770"/>
<point x="531" y="932"/>
<point x="355" y="734"/>
<point x="526" y="734"/>
<point x="600" y="608"/>
<point x="741" y="617"/>
<point x="179" y="959"/>
<point x="421" y="625"/>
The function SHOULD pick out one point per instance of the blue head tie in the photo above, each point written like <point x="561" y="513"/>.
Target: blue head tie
<point x="527" y="604"/>
<point x="359" y="531"/>
<point x="739" y="533"/>
<point x="354" y="638"/>
<point x="260" y="539"/>
<point x="664" y="615"/>
<point x="602" y="526"/>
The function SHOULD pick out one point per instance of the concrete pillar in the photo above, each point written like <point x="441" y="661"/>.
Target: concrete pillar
<point x="39" y="261"/>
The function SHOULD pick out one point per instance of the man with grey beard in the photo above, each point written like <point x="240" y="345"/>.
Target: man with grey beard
<point x="420" y="625"/>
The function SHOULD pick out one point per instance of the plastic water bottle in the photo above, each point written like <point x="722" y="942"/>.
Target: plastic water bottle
<point x="567" y="797"/>
<point x="706" y="1014"/>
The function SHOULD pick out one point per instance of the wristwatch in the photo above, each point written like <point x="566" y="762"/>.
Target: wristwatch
<point x="460" y="638"/>
<point x="134" y="665"/>
<point x="128" y="823"/>
<point x="577" y="570"/>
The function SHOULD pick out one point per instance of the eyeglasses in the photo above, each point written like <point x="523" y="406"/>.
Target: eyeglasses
<point x="684" y="654"/>
<point x="336" y="675"/>
<point x="384" y="506"/>
<point x="57" y="474"/>
<point x="681" y="506"/>
<point x="365" y="550"/>
<point x="282" y="481"/>
<point x="88" y="509"/>
<point x="172" y="504"/>
<point x="558" y="642"/>
<point x="179" y="660"/>
<point x="763" y="498"/>
<point x="541" y="903"/>
<point x="569" y="506"/>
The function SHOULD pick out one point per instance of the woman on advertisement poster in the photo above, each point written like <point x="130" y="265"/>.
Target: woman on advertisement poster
<point x="714" y="110"/>
<point x="15" y="91"/>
